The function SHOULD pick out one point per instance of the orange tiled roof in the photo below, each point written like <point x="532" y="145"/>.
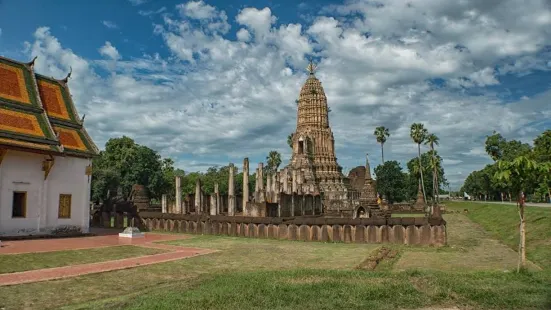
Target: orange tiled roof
<point x="37" y="113"/>
<point x="61" y="111"/>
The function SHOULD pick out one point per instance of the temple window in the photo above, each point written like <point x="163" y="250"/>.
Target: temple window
<point x="64" y="211"/>
<point x="301" y="147"/>
<point x="19" y="205"/>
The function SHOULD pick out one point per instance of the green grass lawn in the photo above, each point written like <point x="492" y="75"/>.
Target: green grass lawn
<point x="473" y="272"/>
<point x="408" y="215"/>
<point x="502" y="221"/>
<point x="30" y="261"/>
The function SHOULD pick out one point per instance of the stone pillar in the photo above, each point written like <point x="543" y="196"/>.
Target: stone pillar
<point x="179" y="196"/>
<point x="260" y="182"/>
<point x="294" y="181"/>
<point x="213" y="204"/>
<point x="276" y="186"/>
<point x="198" y="197"/>
<point x="269" y="188"/>
<point x="245" y="182"/>
<point x="285" y="181"/>
<point x="256" y="183"/>
<point x="218" y="202"/>
<point x="164" y="206"/>
<point x="231" y="193"/>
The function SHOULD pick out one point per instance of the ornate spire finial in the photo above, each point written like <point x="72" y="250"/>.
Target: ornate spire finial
<point x="311" y="67"/>
<point x="66" y="79"/>
<point x="31" y="63"/>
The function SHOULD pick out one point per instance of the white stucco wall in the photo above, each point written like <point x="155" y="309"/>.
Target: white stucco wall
<point x="20" y="171"/>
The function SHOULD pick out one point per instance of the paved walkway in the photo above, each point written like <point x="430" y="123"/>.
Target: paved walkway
<point x="64" y="244"/>
<point x="49" y="245"/>
<point x="528" y="204"/>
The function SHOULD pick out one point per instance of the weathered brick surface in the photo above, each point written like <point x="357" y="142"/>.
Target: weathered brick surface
<point x="418" y="230"/>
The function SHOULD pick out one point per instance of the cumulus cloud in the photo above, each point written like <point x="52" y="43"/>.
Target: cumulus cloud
<point x="221" y="97"/>
<point x="110" y="51"/>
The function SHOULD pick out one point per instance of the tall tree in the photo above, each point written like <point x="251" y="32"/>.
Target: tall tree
<point x="415" y="173"/>
<point x="433" y="140"/>
<point x="132" y="164"/>
<point x="418" y="134"/>
<point x="273" y="160"/>
<point x="381" y="133"/>
<point x="391" y="181"/>
<point x="519" y="171"/>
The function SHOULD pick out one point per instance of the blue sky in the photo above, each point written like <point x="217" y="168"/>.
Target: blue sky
<point x="210" y="82"/>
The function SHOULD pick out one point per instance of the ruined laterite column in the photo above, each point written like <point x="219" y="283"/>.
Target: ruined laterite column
<point x="231" y="193"/>
<point x="179" y="196"/>
<point x="245" y="182"/>
<point x="198" y="197"/>
<point x="164" y="205"/>
<point x="218" y="202"/>
<point x="213" y="204"/>
<point x="285" y="181"/>
<point x="269" y="188"/>
<point x="261" y="183"/>
<point x="294" y="182"/>
<point x="276" y="187"/>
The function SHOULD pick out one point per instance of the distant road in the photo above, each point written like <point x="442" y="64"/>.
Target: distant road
<point x="529" y="204"/>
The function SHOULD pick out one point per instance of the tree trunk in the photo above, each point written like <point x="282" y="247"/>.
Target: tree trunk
<point x="522" y="242"/>
<point x="437" y="187"/>
<point x="382" y="153"/>
<point x="421" y="171"/>
<point x="502" y="197"/>
<point x="510" y="197"/>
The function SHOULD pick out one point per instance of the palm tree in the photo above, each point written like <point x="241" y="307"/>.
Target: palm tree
<point x="433" y="140"/>
<point x="418" y="134"/>
<point x="290" y="140"/>
<point x="273" y="160"/>
<point x="381" y="133"/>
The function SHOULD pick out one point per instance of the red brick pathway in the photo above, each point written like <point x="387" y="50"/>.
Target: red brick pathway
<point x="63" y="244"/>
<point x="28" y="246"/>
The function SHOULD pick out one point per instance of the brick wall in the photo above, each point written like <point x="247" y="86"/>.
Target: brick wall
<point x="425" y="231"/>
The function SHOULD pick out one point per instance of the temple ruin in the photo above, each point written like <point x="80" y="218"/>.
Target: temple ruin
<point x="309" y="199"/>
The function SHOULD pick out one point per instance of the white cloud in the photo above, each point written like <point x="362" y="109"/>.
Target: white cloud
<point x="219" y="99"/>
<point x="259" y="21"/>
<point x="109" y="24"/>
<point x="197" y="10"/>
<point x="243" y="35"/>
<point x="150" y="12"/>
<point x="137" y="2"/>
<point x="109" y="51"/>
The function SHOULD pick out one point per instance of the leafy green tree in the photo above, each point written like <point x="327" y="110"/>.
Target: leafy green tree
<point x="391" y="181"/>
<point x="418" y="134"/>
<point x="500" y="149"/>
<point x="131" y="163"/>
<point x="103" y="180"/>
<point x="415" y="171"/>
<point x="519" y="171"/>
<point x="542" y="147"/>
<point x="273" y="160"/>
<point x="381" y="134"/>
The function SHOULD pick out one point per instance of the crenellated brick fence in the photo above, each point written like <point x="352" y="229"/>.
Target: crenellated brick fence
<point x="418" y="230"/>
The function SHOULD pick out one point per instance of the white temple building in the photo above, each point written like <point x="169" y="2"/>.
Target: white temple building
<point x="45" y="155"/>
